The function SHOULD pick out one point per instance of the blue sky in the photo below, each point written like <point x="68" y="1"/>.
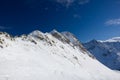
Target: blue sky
<point x="87" y="19"/>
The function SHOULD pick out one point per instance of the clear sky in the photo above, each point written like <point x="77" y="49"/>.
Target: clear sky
<point x="87" y="19"/>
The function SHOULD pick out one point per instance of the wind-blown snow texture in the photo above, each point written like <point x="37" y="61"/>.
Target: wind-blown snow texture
<point x="48" y="56"/>
<point x="107" y="52"/>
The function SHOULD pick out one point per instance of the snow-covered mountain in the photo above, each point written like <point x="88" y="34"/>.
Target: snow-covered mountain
<point x="114" y="39"/>
<point x="49" y="56"/>
<point x="107" y="52"/>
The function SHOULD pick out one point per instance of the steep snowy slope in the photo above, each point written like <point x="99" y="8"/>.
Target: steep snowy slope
<point x="44" y="56"/>
<point x="107" y="52"/>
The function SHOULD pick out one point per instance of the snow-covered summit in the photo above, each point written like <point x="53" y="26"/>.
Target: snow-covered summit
<point x="71" y="37"/>
<point x="59" y="36"/>
<point x="114" y="39"/>
<point x="36" y="34"/>
<point x="43" y="56"/>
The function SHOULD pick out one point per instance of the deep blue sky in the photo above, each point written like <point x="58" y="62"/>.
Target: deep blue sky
<point x="87" y="19"/>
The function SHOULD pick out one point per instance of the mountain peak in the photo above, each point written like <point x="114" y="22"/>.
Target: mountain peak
<point x="94" y="41"/>
<point x="36" y="32"/>
<point x="4" y="34"/>
<point x="54" y="31"/>
<point x="71" y="37"/>
<point x="59" y="36"/>
<point x="42" y="56"/>
<point x="106" y="51"/>
<point x="114" y="39"/>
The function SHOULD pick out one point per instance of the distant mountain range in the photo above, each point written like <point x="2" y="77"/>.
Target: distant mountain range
<point x="107" y="52"/>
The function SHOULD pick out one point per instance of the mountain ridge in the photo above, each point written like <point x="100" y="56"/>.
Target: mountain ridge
<point x="42" y="56"/>
<point x="106" y="51"/>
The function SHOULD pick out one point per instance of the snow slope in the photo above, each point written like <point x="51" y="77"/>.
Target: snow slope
<point x="107" y="52"/>
<point x="42" y="56"/>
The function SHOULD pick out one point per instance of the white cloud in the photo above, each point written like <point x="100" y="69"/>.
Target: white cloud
<point x="113" y="22"/>
<point x="3" y="27"/>
<point x="83" y="1"/>
<point x="68" y="3"/>
<point x="77" y="16"/>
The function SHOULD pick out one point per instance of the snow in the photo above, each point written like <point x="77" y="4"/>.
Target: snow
<point x="107" y="52"/>
<point x="114" y="39"/>
<point x="49" y="59"/>
<point x="70" y="37"/>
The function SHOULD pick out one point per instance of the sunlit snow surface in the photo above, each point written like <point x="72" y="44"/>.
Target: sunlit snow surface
<point x="35" y="59"/>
